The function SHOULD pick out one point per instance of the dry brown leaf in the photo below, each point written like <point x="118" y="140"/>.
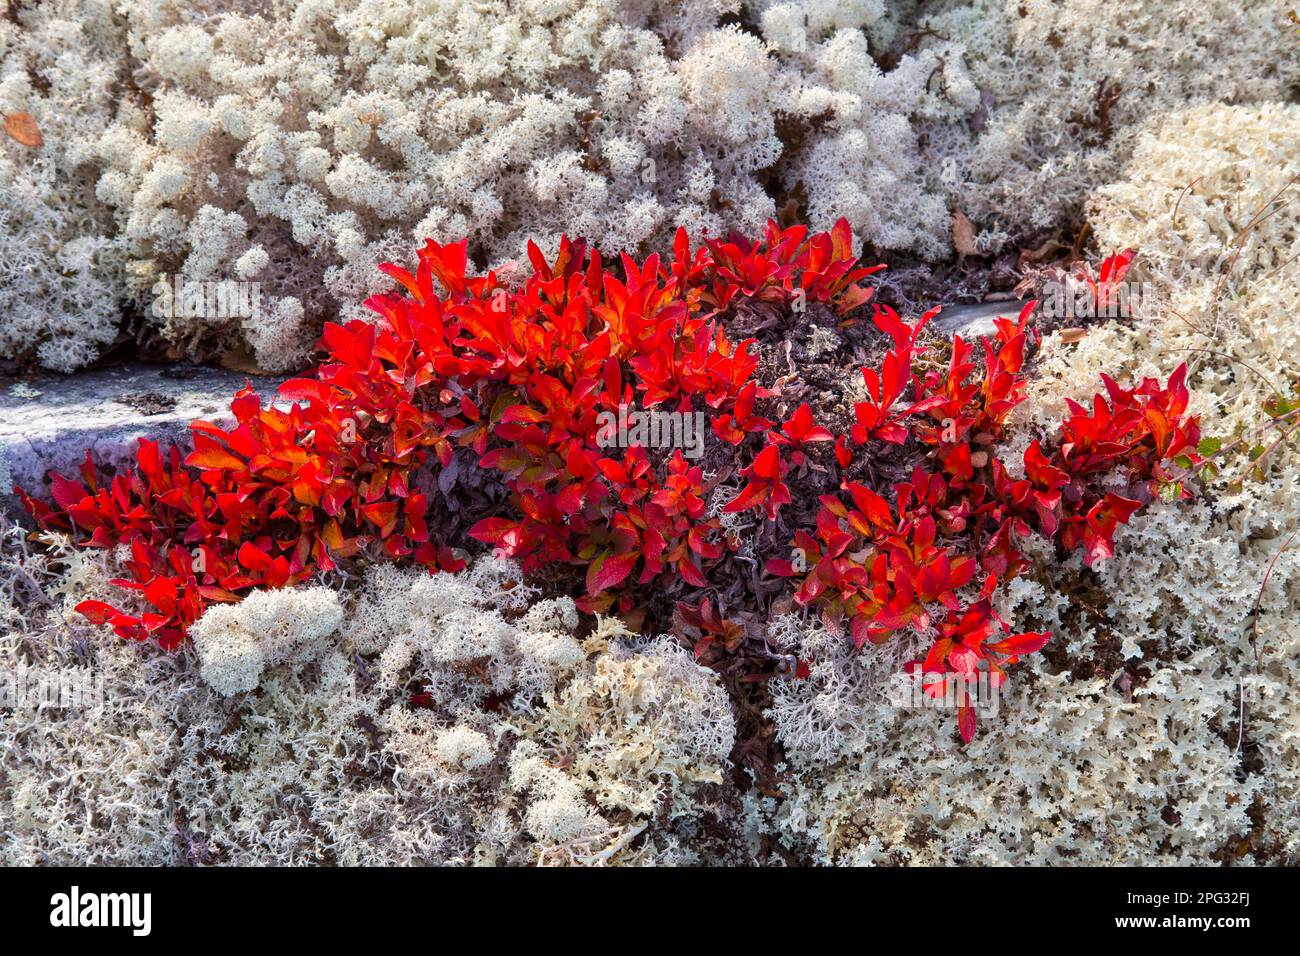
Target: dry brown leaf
<point x="1042" y="252"/>
<point x="1070" y="336"/>
<point x="22" y="128"/>
<point x="238" y="360"/>
<point x="963" y="234"/>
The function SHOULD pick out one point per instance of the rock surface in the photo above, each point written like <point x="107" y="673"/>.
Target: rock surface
<point x="51" y="422"/>
<point x="974" y="320"/>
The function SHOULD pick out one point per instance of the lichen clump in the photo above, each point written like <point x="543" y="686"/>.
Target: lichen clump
<point x="437" y="719"/>
<point x="201" y="140"/>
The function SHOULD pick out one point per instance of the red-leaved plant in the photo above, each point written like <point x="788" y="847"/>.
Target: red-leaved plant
<point x="883" y="567"/>
<point x="520" y="378"/>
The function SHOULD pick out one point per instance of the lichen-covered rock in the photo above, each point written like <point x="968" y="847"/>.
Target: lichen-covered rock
<point x="50" y="424"/>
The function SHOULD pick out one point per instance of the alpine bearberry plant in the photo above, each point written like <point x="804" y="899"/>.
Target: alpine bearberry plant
<point x="516" y="381"/>
<point x="932" y="560"/>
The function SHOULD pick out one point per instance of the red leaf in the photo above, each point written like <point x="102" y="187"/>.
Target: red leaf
<point x="97" y="612"/>
<point x="752" y="495"/>
<point x="966" y="722"/>
<point x="609" y="570"/>
<point x="1017" y="645"/>
<point x="253" y="557"/>
<point x="66" y="493"/>
<point x="767" y="464"/>
<point x="873" y="506"/>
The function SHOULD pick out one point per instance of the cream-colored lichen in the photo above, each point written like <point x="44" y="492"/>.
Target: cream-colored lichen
<point x="443" y="719"/>
<point x="300" y="145"/>
<point x="62" y="261"/>
<point x="1069" y="87"/>
<point x="236" y="641"/>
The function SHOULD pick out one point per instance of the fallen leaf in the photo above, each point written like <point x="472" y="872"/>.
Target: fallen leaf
<point x="634" y="619"/>
<point x="963" y="234"/>
<point x="238" y="360"/>
<point x="1070" y="336"/>
<point x="1042" y="252"/>
<point x="22" y="128"/>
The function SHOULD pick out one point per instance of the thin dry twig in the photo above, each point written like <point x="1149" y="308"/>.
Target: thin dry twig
<point x="1239" y="242"/>
<point x="1231" y="358"/>
<point x="1259" y="598"/>
<point x="1273" y="272"/>
<point x="1173" y="220"/>
<point x="1189" y="323"/>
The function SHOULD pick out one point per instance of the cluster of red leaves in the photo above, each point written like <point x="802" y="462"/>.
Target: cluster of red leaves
<point x="265" y="503"/>
<point x="577" y="343"/>
<point x="518" y="379"/>
<point x="1110" y="274"/>
<point x="884" y="567"/>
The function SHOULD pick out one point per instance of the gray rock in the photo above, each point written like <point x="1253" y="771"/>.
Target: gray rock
<point x="974" y="320"/>
<point x="107" y="411"/>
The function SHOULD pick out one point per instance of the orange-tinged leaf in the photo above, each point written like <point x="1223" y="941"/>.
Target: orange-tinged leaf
<point x="963" y="234"/>
<point x="307" y="490"/>
<point x="332" y="535"/>
<point x="22" y="128"/>
<point x="214" y="458"/>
